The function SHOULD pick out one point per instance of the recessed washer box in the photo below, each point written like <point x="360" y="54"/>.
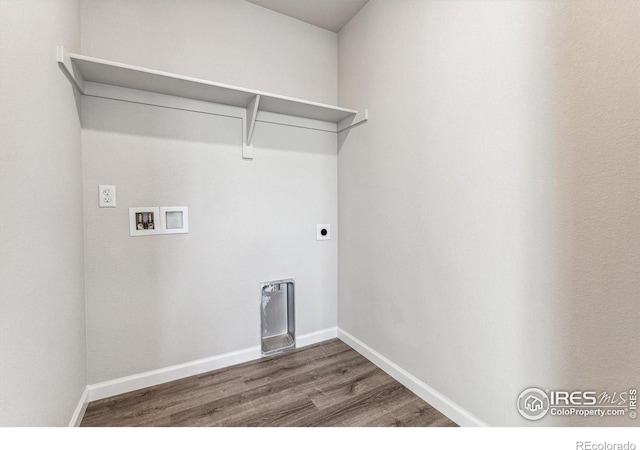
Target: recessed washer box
<point x="174" y="219"/>
<point x="144" y="221"/>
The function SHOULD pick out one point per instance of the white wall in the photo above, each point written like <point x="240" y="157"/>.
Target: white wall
<point x="489" y="210"/>
<point x="228" y="41"/>
<point x="42" y="332"/>
<point x="596" y="67"/>
<point x="153" y="302"/>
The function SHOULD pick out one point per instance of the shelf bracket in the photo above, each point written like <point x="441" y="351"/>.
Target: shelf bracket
<point x="352" y="122"/>
<point x="248" y="125"/>
<point x="346" y="125"/>
<point x="67" y="67"/>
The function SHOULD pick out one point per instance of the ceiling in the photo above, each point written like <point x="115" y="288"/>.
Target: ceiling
<point x="331" y="15"/>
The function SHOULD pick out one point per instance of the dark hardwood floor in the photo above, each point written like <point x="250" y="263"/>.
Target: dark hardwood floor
<point x="327" y="384"/>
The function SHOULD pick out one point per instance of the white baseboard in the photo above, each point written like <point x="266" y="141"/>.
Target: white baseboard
<point x="78" y="414"/>
<point x="143" y="380"/>
<point x="447" y="407"/>
<point x="316" y="336"/>
<point x="146" y="379"/>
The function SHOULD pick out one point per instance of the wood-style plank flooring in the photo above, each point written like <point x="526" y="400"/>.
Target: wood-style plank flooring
<point x="327" y="384"/>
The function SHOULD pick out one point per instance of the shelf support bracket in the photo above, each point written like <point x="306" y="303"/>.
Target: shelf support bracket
<point x="352" y="122"/>
<point x="249" y="123"/>
<point x="346" y="125"/>
<point x="67" y="67"/>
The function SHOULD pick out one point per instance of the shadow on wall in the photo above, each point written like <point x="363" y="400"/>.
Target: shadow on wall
<point x="192" y="126"/>
<point x="176" y="124"/>
<point x="597" y="146"/>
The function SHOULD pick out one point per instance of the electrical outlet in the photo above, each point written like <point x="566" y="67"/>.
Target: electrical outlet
<point x="107" y="196"/>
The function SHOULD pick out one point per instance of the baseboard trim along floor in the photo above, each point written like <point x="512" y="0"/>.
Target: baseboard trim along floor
<point x="443" y="404"/>
<point x="328" y="384"/>
<point x="143" y="380"/>
<point x="80" y="409"/>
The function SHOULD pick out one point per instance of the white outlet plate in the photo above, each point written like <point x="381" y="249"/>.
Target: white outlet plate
<point x="326" y="236"/>
<point x="107" y="193"/>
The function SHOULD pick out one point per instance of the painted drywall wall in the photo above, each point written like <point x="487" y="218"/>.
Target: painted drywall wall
<point x="596" y="69"/>
<point x="227" y="41"/>
<point x="156" y="301"/>
<point x="489" y="210"/>
<point x="42" y="330"/>
<point x="173" y="299"/>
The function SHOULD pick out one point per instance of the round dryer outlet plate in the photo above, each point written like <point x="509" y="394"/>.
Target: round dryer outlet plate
<point x="323" y="232"/>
